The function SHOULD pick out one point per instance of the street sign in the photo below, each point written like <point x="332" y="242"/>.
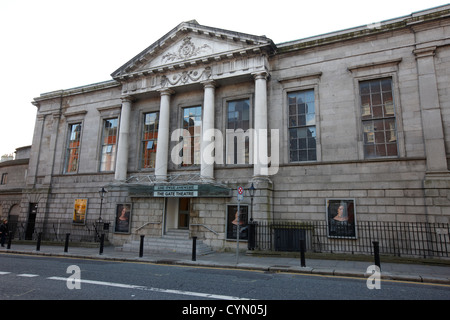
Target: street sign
<point x="240" y="194"/>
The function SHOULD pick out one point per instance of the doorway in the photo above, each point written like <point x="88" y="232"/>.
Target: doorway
<point x="32" y="212"/>
<point x="183" y="213"/>
<point x="177" y="213"/>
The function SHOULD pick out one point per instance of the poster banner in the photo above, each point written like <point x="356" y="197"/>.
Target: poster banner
<point x="79" y="211"/>
<point x="232" y="221"/>
<point x="341" y="218"/>
<point x="123" y="218"/>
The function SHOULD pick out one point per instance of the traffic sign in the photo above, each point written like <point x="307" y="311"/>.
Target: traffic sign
<point x="240" y="193"/>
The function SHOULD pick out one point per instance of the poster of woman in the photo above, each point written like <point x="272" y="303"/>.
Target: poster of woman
<point x="232" y="222"/>
<point x="341" y="218"/>
<point x="79" y="211"/>
<point x="123" y="215"/>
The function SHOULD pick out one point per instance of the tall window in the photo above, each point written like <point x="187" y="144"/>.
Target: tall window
<point x="192" y="122"/>
<point x="109" y="142"/>
<point x="302" y="126"/>
<point x="238" y="121"/>
<point x="149" y="139"/>
<point x="378" y="118"/>
<point x="4" y="178"/>
<point x="73" y="148"/>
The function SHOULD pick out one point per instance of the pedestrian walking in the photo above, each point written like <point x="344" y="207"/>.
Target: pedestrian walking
<point x="3" y="232"/>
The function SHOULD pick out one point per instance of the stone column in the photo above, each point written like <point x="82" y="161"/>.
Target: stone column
<point x="36" y="148"/>
<point x="122" y="148"/>
<point x="260" y="150"/>
<point x="52" y="149"/>
<point x="162" y="148"/>
<point x="433" y="131"/>
<point x="208" y="159"/>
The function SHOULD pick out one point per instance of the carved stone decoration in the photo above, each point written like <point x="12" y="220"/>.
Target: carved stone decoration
<point x="185" y="77"/>
<point x="186" y="51"/>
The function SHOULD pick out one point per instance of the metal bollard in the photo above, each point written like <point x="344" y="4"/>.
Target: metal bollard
<point x="251" y="235"/>
<point x="194" y="248"/>
<point x="376" y="253"/>
<point x="141" y="247"/>
<point x="102" y="243"/>
<point x="302" y="254"/>
<point x="38" y="243"/>
<point x="66" y="244"/>
<point x="10" y="236"/>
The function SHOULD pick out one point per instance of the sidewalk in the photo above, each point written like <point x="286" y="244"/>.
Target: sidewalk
<point x="420" y="272"/>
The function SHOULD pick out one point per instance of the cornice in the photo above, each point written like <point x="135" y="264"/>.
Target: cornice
<point x="77" y="90"/>
<point x="253" y="43"/>
<point x="410" y="21"/>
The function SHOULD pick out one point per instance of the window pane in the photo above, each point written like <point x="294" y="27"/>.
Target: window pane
<point x="192" y="122"/>
<point x="108" y="151"/>
<point x="149" y="139"/>
<point x="377" y="103"/>
<point x="392" y="149"/>
<point x="239" y="120"/>
<point x="302" y="130"/>
<point x="72" y="151"/>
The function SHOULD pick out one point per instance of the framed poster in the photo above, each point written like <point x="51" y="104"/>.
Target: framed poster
<point x="341" y="218"/>
<point x="123" y="218"/>
<point x="232" y="222"/>
<point x="79" y="211"/>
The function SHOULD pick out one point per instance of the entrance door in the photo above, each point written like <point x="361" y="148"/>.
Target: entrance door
<point x="32" y="211"/>
<point x="183" y="213"/>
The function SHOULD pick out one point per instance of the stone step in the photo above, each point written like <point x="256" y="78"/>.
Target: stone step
<point x="177" y="234"/>
<point x="167" y="243"/>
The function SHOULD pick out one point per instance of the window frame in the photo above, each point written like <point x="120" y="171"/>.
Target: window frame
<point x="248" y="155"/>
<point x="114" y="145"/>
<point x="373" y="71"/>
<point x="384" y="118"/>
<point x="194" y="151"/>
<point x="68" y="149"/>
<point x="4" y="179"/>
<point x="143" y="141"/>
<point x="297" y="91"/>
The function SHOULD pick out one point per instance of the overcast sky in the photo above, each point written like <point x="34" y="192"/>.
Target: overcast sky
<point x="48" y="45"/>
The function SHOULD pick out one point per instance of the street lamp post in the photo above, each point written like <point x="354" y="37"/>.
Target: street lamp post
<point x="252" y="224"/>
<point x="102" y="193"/>
<point x="101" y="237"/>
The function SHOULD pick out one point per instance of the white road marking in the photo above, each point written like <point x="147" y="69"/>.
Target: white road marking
<point x="4" y="272"/>
<point x="129" y="286"/>
<point x="27" y="275"/>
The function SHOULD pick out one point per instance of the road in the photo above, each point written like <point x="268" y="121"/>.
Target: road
<point x="27" y="277"/>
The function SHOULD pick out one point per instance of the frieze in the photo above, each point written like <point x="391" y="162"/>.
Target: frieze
<point x="186" y="51"/>
<point x="185" y="77"/>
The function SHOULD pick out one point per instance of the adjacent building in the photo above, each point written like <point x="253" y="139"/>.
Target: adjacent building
<point x="354" y="122"/>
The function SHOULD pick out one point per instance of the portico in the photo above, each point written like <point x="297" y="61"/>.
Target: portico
<point x="195" y="56"/>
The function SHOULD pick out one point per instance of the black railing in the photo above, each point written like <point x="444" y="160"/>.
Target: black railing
<point x="56" y="230"/>
<point x="394" y="238"/>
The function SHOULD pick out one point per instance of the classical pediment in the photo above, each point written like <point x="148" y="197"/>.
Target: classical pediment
<point x="190" y="45"/>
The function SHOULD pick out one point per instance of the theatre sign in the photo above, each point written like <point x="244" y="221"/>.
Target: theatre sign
<point x="185" y="191"/>
<point x="180" y="191"/>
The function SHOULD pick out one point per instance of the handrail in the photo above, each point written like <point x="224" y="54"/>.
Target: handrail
<point x="206" y="227"/>
<point x="146" y="224"/>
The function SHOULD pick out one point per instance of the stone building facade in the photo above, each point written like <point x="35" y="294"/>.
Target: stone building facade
<point x="358" y="117"/>
<point x="13" y="172"/>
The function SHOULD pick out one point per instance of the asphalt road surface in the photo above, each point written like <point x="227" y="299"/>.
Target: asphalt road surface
<point x="26" y="277"/>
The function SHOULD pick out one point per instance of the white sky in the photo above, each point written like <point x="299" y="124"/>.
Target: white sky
<point x="48" y="45"/>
